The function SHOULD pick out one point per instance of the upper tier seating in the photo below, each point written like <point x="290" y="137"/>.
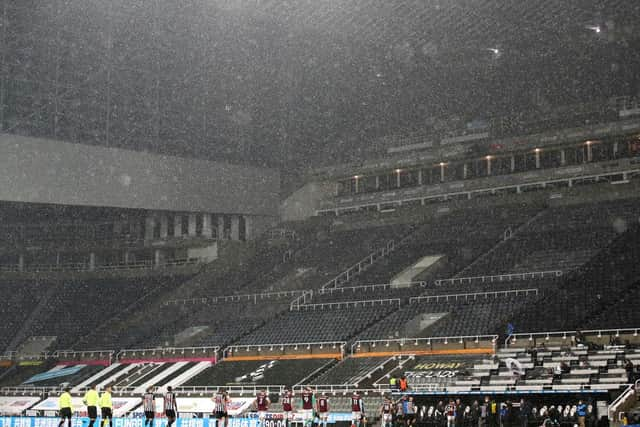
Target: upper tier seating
<point x="19" y="299"/>
<point x="462" y="235"/>
<point x="473" y="316"/>
<point x="90" y="307"/>
<point x="561" y="238"/>
<point x="317" y="325"/>
<point x="598" y="292"/>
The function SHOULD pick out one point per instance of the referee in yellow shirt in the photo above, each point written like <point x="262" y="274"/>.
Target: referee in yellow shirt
<point x="91" y="400"/>
<point x="106" y="407"/>
<point x="64" y="404"/>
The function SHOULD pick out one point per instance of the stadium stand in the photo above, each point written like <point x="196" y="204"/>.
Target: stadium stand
<point x="262" y="372"/>
<point x="590" y="292"/>
<point x="16" y="307"/>
<point x="453" y="315"/>
<point x="559" y="238"/>
<point x="320" y="323"/>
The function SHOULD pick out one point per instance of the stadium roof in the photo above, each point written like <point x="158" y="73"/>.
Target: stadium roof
<point x="285" y="81"/>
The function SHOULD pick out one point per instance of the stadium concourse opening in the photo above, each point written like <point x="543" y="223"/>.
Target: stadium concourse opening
<point x="243" y="213"/>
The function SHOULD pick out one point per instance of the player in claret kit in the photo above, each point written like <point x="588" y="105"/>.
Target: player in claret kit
<point x="262" y="403"/>
<point x="386" y="412"/>
<point x="357" y="409"/>
<point x="308" y="403"/>
<point x="220" y="402"/>
<point x="287" y="406"/>
<point x="322" y="409"/>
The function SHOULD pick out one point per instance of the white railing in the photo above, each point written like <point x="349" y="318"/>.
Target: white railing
<point x="473" y="295"/>
<point x="428" y="341"/>
<point x="238" y="349"/>
<point x="15" y="355"/>
<point x="83" y="354"/>
<point x="369" y="373"/>
<point x="249" y="389"/>
<point x="373" y="288"/>
<point x="629" y="393"/>
<point x="384" y="388"/>
<point x="167" y="352"/>
<point x="500" y="278"/>
<point x="336" y="389"/>
<point x="531" y="336"/>
<point x="30" y="390"/>
<point x="360" y="266"/>
<point x="276" y="233"/>
<point x="306" y="297"/>
<point x="542" y="183"/>
<point x="83" y="266"/>
<point x="254" y="298"/>
<point x="348" y="304"/>
<point x="383" y="380"/>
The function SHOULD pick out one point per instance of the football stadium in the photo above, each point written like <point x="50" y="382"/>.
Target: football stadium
<point x="319" y="213"/>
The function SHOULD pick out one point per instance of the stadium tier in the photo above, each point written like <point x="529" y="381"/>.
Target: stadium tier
<point x="432" y="202"/>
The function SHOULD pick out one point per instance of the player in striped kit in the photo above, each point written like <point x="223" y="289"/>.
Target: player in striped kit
<point x="262" y="403"/>
<point x="287" y="406"/>
<point x="149" y="406"/>
<point x="357" y="409"/>
<point x="170" y="406"/>
<point x="322" y="409"/>
<point x="220" y="402"/>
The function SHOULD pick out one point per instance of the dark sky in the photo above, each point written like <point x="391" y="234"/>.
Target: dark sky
<point x="288" y="83"/>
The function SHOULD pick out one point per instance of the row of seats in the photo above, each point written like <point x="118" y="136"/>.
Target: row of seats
<point x="317" y="325"/>
<point x="482" y="315"/>
<point x="560" y="238"/>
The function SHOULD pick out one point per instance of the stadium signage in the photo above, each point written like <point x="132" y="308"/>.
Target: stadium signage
<point x="158" y="422"/>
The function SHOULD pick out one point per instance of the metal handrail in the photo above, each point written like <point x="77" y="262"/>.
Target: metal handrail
<point x="569" y="334"/>
<point x="360" y="266"/>
<point x="425" y="340"/>
<point x="631" y="389"/>
<point x="301" y="299"/>
<point x="500" y="277"/>
<point x="478" y="190"/>
<point x="473" y="295"/>
<point x="335" y="389"/>
<point x="84" y="266"/>
<point x="346" y="304"/>
<point x="233" y="298"/>
<point x="79" y="354"/>
<point x="248" y="347"/>
<point x="372" y="287"/>
<point x="166" y="351"/>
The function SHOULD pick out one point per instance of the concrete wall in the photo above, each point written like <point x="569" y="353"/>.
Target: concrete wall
<point x="45" y="171"/>
<point x="304" y="202"/>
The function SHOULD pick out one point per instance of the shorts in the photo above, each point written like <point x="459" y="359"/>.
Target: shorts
<point x="356" y="415"/>
<point x="262" y="415"/>
<point x="387" y="418"/>
<point x="170" y="413"/>
<point x="288" y="415"/>
<point x="106" y="413"/>
<point x="307" y="414"/>
<point x="220" y="414"/>
<point x="323" y="415"/>
<point x="149" y="415"/>
<point x="92" y="412"/>
<point x="65" y="412"/>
